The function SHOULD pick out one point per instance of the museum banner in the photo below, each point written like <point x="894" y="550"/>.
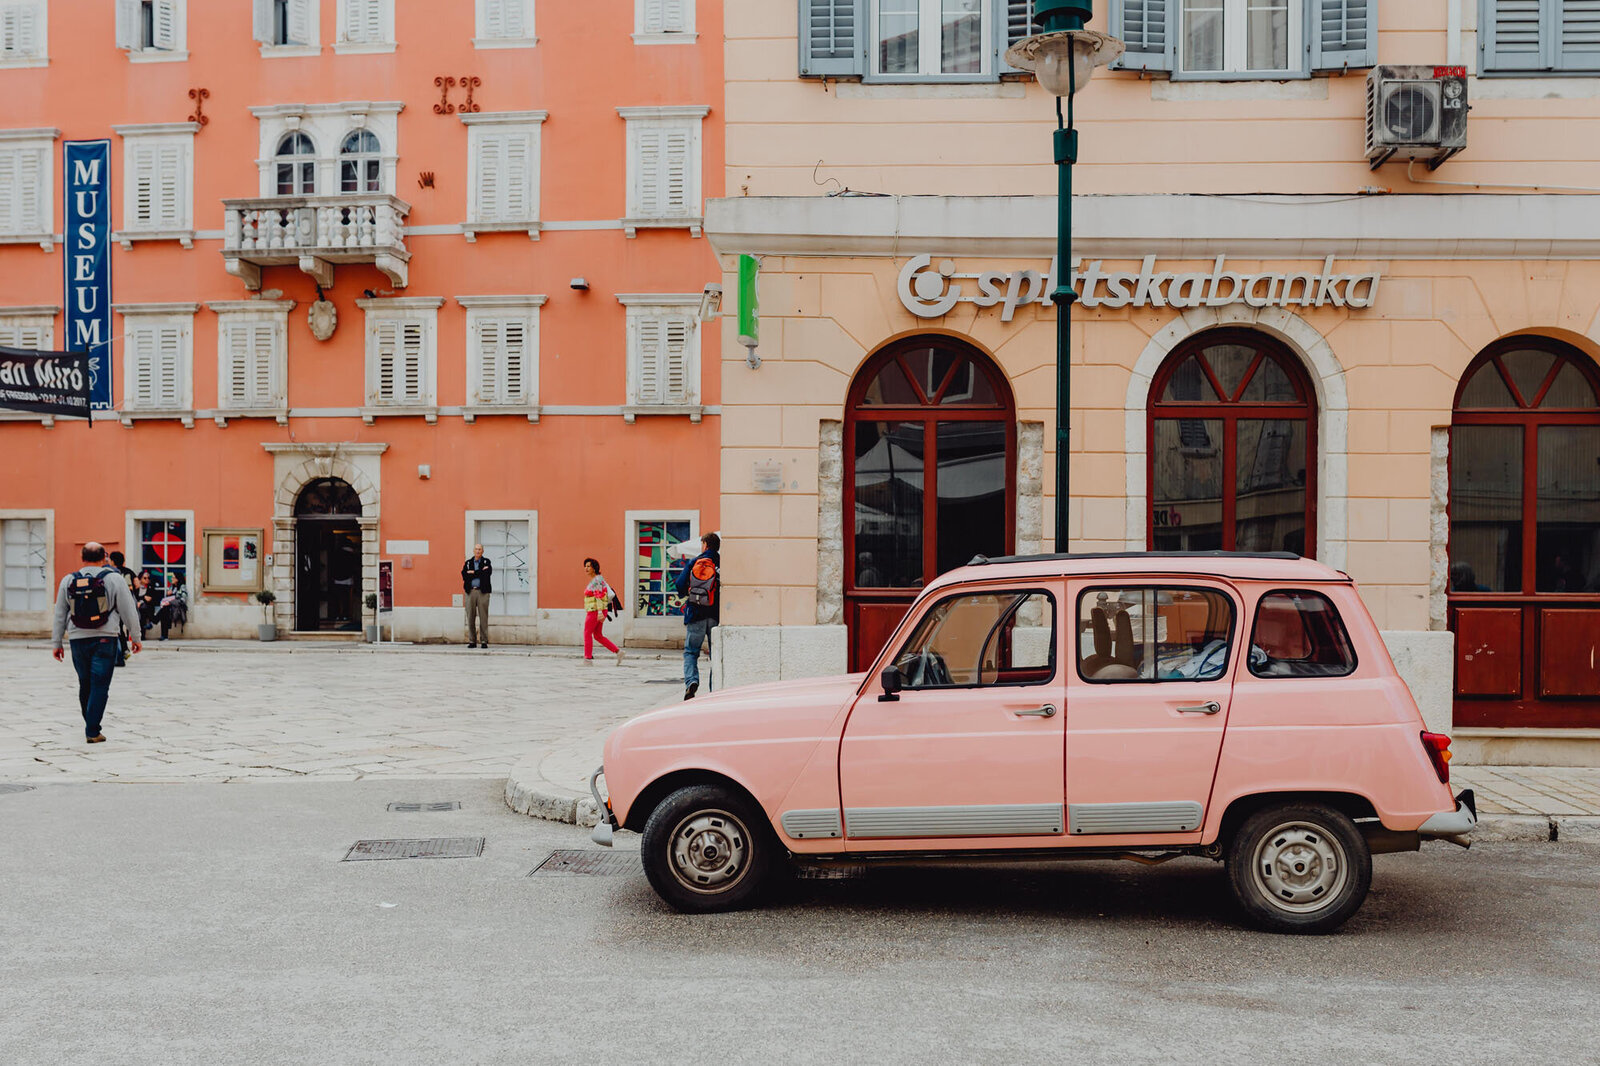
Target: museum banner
<point x="88" y="261"/>
<point x="46" y="383"/>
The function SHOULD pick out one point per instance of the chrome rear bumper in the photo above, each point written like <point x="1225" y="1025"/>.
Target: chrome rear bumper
<point x="1453" y="825"/>
<point x="606" y="826"/>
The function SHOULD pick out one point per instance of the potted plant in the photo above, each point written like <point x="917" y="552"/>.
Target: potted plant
<point x="268" y="629"/>
<point x="372" y="626"/>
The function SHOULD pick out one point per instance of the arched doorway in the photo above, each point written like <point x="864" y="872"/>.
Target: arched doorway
<point x="1524" y="584"/>
<point x="327" y="537"/>
<point x="930" y="459"/>
<point x="1232" y="448"/>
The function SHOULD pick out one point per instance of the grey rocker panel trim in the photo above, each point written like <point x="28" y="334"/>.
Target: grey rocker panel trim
<point x="1033" y="819"/>
<point x="1180" y="816"/>
<point x="806" y="825"/>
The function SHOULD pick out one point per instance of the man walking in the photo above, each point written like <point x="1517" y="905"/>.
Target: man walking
<point x="699" y="584"/>
<point x="475" y="582"/>
<point x="93" y="607"/>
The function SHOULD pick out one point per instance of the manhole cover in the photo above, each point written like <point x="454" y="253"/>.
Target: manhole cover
<point x="433" y="848"/>
<point x="441" y="805"/>
<point x="6" y="789"/>
<point x="592" y="863"/>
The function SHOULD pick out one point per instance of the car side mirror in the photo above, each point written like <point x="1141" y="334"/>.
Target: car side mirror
<point x="893" y="682"/>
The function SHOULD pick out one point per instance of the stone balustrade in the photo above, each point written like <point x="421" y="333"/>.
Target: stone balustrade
<point x="315" y="233"/>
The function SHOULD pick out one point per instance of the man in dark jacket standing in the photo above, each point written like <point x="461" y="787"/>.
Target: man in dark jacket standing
<point x="475" y="583"/>
<point x="700" y="583"/>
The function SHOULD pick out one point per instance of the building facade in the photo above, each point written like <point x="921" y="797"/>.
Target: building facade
<point x="1279" y="345"/>
<point x="363" y="280"/>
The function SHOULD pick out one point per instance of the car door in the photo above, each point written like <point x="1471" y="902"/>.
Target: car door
<point x="1148" y="689"/>
<point x="970" y="749"/>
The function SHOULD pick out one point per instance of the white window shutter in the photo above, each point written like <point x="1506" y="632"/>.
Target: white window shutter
<point x="1577" y="36"/>
<point x="675" y="368"/>
<point x="128" y="35"/>
<point x="411" y="361"/>
<point x="171" y="211"/>
<point x="263" y="352"/>
<point x="652" y="16"/>
<point x="19" y="30"/>
<point x="30" y="180"/>
<point x="10" y="165"/>
<point x="300" y="21"/>
<point x="141" y="353"/>
<point x="675" y="190"/>
<point x="490" y="176"/>
<point x="234" y="386"/>
<point x="488" y="360"/>
<point x="261" y="22"/>
<point x="165" y="15"/>
<point x="513" y="358"/>
<point x="513" y="23"/>
<point x="387" y="356"/>
<point x="514" y="202"/>
<point x="143" y="169"/>
<point x="647" y="184"/>
<point x="494" y="18"/>
<point x="649" y="343"/>
<point x="168" y="366"/>
<point x="674" y="16"/>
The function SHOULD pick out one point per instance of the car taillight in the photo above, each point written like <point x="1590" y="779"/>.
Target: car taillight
<point x="1437" y="745"/>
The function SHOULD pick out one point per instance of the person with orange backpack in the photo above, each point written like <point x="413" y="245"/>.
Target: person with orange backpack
<point x="699" y="584"/>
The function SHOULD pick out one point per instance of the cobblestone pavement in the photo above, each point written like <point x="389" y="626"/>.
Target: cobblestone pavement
<point x="224" y="710"/>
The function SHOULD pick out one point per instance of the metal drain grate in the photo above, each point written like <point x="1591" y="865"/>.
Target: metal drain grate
<point x="432" y="848"/>
<point x="7" y="789"/>
<point x="441" y="805"/>
<point x="590" y="863"/>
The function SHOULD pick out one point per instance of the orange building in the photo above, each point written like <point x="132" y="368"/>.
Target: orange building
<point x="386" y="279"/>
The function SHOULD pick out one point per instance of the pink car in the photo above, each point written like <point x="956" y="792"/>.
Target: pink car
<point x="1144" y="706"/>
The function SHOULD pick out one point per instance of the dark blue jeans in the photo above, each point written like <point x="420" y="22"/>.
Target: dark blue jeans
<point x="94" y="658"/>
<point x="695" y="634"/>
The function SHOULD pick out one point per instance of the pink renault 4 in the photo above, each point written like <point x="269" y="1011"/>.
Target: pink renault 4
<point x="1144" y="706"/>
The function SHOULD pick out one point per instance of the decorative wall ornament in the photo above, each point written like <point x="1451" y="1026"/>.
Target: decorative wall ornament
<point x="471" y="82"/>
<point x="199" y="96"/>
<point x="323" y="318"/>
<point x="444" y="106"/>
<point x="425" y="179"/>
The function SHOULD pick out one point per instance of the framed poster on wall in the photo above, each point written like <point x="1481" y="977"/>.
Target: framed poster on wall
<point x="233" y="560"/>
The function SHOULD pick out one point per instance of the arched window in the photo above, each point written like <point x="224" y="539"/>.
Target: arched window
<point x="930" y="454"/>
<point x="1524" y="579"/>
<point x="360" y="164"/>
<point x="297" y="165"/>
<point x="325" y="497"/>
<point x="1232" y="448"/>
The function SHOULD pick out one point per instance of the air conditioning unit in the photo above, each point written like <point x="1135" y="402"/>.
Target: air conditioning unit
<point x="1416" y="112"/>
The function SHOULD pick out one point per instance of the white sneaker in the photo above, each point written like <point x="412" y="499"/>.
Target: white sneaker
<point x="619" y="656"/>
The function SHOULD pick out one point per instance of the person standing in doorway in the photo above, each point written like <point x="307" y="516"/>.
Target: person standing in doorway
<point x="477" y="583"/>
<point x="597" y="596"/>
<point x="93" y="607"/>
<point x="699" y="584"/>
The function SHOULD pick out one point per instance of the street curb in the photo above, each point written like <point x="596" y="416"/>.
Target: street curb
<point x="527" y="792"/>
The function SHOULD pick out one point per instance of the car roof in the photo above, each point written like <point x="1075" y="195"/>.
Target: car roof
<point x="1275" y="567"/>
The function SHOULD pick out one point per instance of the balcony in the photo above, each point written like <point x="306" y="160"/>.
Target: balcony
<point x="315" y="233"/>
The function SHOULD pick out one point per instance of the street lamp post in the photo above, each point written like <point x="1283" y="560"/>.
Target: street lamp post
<point x="1063" y="57"/>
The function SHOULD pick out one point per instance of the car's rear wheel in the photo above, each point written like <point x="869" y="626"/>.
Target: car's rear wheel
<point x="706" y="848"/>
<point x="1299" y="868"/>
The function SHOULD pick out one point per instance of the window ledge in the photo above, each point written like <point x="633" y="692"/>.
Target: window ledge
<point x="363" y="48"/>
<point x="222" y="414"/>
<point x="429" y="413"/>
<point x="504" y="42"/>
<point x="286" y="51"/>
<point x="156" y="55"/>
<point x="632" y="226"/>
<point x="46" y="241"/>
<point x="47" y="421"/>
<point x="472" y="412"/>
<point x="129" y="415"/>
<point x="530" y="226"/>
<point x="17" y="62"/>
<point x="633" y="410"/>
<point x="126" y="238"/>
<point x="665" y="38"/>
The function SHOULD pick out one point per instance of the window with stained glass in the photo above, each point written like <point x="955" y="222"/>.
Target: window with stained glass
<point x="164" y="551"/>
<point x="660" y="561"/>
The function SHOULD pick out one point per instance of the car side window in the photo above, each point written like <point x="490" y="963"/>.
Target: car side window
<point x="1299" y="634"/>
<point x="1153" y="633"/>
<point x="982" y="639"/>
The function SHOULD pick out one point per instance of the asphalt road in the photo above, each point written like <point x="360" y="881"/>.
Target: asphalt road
<point x="215" y="923"/>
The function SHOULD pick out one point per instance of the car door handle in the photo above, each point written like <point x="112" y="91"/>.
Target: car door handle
<point x="1047" y="711"/>
<point x="1208" y="707"/>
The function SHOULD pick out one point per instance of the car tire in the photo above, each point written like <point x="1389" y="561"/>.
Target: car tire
<point x="1299" y="868"/>
<point x="707" y="848"/>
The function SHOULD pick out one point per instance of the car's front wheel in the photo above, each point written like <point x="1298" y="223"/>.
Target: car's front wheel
<point x="706" y="848"/>
<point x="1299" y="868"/>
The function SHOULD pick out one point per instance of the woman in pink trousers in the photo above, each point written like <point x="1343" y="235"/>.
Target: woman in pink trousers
<point x="596" y="598"/>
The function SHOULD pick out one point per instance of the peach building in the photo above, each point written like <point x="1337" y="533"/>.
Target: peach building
<point x="1290" y="337"/>
<point x="363" y="280"/>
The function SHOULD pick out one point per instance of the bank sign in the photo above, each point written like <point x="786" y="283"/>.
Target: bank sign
<point x="88" y="261"/>
<point x="929" y="290"/>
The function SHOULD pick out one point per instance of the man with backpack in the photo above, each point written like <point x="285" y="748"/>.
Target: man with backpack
<point x="699" y="584"/>
<point x="93" y="607"/>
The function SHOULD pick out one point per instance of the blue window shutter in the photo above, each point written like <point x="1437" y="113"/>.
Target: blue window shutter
<point x="1013" y="20"/>
<point x="1342" y="34"/>
<point x="1513" y="35"/>
<point x="1149" y="29"/>
<point x="1577" y="29"/>
<point x="833" y="38"/>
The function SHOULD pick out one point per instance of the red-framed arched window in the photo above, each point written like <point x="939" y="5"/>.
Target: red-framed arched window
<point x="1232" y="448"/>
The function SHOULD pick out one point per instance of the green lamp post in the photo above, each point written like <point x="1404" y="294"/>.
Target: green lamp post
<point x="1063" y="57"/>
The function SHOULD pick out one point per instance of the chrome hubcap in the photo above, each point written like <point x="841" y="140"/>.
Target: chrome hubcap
<point x="709" y="849"/>
<point x="1299" y="867"/>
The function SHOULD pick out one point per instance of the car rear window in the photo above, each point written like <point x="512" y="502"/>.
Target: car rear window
<point x="1299" y="634"/>
<point x="1153" y="633"/>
